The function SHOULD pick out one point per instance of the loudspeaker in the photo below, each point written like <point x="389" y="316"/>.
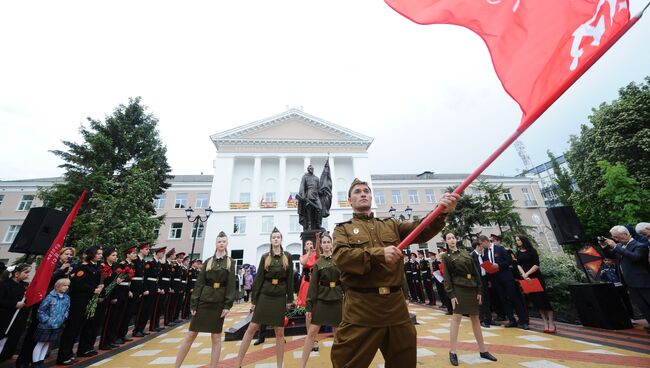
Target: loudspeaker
<point x="38" y="231"/>
<point x="565" y="224"/>
<point x="600" y="305"/>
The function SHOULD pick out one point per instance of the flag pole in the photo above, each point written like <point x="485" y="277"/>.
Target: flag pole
<point x="526" y="122"/>
<point x="13" y="319"/>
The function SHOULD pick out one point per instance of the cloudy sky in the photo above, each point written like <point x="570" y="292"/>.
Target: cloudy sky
<point x="428" y="95"/>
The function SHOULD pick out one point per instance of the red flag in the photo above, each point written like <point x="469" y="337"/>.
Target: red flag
<point x="290" y="198"/>
<point x="38" y="287"/>
<point x="538" y="48"/>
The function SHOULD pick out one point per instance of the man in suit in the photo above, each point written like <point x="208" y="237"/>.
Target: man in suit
<point x="632" y="259"/>
<point x="503" y="282"/>
<point x="486" y="313"/>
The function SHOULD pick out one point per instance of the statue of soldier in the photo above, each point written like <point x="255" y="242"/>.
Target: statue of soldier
<point x="309" y="203"/>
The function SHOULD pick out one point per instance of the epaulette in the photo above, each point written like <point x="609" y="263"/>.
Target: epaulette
<point x="344" y="222"/>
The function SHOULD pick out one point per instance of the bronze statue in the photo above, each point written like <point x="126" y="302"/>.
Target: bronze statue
<point x="314" y="198"/>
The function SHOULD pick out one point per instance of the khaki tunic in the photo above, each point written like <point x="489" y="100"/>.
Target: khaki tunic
<point x="213" y="292"/>
<point x="462" y="281"/>
<point x="359" y="255"/>
<point x="325" y="293"/>
<point x="272" y="291"/>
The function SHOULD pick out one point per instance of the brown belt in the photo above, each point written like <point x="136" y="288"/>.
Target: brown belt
<point x="380" y="290"/>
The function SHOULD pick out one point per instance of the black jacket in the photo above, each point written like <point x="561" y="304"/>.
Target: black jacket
<point x="633" y="262"/>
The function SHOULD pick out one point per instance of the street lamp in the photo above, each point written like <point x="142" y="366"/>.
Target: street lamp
<point x="408" y="210"/>
<point x="199" y="220"/>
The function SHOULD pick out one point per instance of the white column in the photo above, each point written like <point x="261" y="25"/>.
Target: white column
<point x="257" y="173"/>
<point x="282" y="187"/>
<point x="306" y="162"/>
<point x="335" y="197"/>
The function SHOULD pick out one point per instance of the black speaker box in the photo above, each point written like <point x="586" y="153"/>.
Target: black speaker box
<point x="600" y="306"/>
<point x="38" y="231"/>
<point x="565" y="224"/>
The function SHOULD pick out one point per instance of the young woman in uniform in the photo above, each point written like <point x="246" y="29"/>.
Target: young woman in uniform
<point x="463" y="286"/>
<point x="324" y="299"/>
<point x="212" y="298"/>
<point x="272" y="295"/>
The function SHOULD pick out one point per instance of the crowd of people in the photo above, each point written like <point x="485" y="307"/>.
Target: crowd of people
<point x="96" y="301"/>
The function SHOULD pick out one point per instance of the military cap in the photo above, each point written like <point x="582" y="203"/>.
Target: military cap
<point x="171" y="252"/>
<point x="421" y="252"/>
<point x="130" y="249"/>
<point x="180" y="254"/>
<point x="275" y="230"/>
<point x="109" y="250"/>
<point x="144" y="245"/>
<point x="222" y="235"/>
<point x="160" y="250"/>
<point x="497" y="237"/>
<point x="186" y="258"/>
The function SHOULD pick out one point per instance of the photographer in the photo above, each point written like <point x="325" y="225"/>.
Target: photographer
<point x="632" y="259"/>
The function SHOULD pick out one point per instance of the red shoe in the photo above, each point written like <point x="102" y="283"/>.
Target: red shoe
<point x="554" y="330"/>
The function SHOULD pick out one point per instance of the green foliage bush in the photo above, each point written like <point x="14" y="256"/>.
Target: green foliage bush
<point x="559" y="271"/>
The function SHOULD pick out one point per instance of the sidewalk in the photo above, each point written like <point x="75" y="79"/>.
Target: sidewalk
<point x="572" y="346"/>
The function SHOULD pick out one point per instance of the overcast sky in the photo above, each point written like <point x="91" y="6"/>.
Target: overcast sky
<point x="428" y="95"/>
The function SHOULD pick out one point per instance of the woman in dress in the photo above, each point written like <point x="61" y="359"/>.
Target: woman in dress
<point x="213" y="296"/>
<point x="271" y="296"/>
<point x="324" y="299"/>
<point x="463" y="286"/>
<point x="307" y="261"/>
<point x="528" y="266"/>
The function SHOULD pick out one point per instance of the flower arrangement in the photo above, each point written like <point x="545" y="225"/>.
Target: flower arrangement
<point x="106" y="272"/>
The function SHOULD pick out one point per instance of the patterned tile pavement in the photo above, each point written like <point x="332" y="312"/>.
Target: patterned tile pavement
<point x="574" y="346"/>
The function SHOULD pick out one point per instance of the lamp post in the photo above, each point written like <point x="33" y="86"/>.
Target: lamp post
<point x="199" y="220"/>
<point x="408" y="210"/>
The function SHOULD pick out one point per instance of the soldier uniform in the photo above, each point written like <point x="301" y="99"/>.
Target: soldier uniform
<point x="417" y="278"/>
<point x="151" y="271"/>
<point x="427" y="278"/>
<point x="272" y="290"/>
<point x="170" y="292"/>
<point x="192" y="274"/>
<point x="375" y="314"/>
<point x="325" y="295"/>
<point x="214" y="292"/>
<point x="132" y="299"/>
<point x="179" y="285"/>
<point x="161" y="291"/>
<point x="462" y="281"/>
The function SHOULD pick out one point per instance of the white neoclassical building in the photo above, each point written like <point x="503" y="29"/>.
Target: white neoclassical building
<point x="258" y="169"/>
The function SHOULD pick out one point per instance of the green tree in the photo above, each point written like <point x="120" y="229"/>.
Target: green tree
<point x="500" y="211"/>
<point x="562" y="182"/>
<point x="465" y="217"/>
<point x="618" y="132"/>
<point x="122" y="163"/>
<point x="626" y="200"/>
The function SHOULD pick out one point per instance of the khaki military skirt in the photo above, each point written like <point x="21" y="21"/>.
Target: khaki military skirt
<point x="208" y="318"/>
<point x="270" y="310"/>
<point x="327" y="313"/>
<point x="467" y="302"/>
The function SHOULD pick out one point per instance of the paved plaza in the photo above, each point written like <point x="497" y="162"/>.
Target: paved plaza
<point x="573" y="346"/>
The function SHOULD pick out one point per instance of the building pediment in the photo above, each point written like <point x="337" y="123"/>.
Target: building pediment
<point x="292" y="128"/>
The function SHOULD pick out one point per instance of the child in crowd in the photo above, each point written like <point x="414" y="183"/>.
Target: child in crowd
<point x="12" y="303"/>
<point x="52" y="312"/>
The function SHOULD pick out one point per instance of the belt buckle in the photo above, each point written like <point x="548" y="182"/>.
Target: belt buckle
<point x="469" y="276"/>
<point x="216" y="285"/>
<point x="332" y="284"/>
<point x="274" y="281"/>
<point x="384" y="290"/>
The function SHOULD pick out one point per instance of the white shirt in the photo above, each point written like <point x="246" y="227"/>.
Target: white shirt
<point x="483" y="273"/>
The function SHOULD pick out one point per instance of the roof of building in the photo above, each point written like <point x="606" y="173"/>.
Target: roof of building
<point x="428" y="175"/>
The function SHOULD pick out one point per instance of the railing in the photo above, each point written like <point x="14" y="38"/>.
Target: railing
<point x="268" y="204"/>
<point x="531" y="203"/>
<point x="344" y="204"/>
<point x="239" y="205"/>
<point x="292" y="204"/>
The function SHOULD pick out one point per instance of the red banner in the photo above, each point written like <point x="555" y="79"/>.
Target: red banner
<point x="538" y="48"/>
<point x="38" y="287"/>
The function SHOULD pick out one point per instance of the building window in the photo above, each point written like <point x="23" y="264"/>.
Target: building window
<point x="160" y="200"/>
<point x="342" y="196"/>
<point x="25" y="203"/>
<point x="429" y="196"/>
<point x="294" y="225"/>
<point x="267" y="224"/>
<point x="201" y="227"/>
<point x="379" y="198"/>
<point x="397" y="197"/>
<point x="181" y="200"/>
<point x="176" y="230"/>
<point x="156" y="233"/>
<point x="414" y="197"/>
<point x="528" y="199"/>
<point x="11" y="233"/>
<point x="245" y="197"/>
<point x="2" y="197"/>
<point x="507" y="195"/>
<point x="202" y="200"/>
<point x="239" y="225"/>
<point x="269" y="197"/>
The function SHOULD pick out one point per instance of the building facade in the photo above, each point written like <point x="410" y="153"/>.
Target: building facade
<point x="546" y="176"/>
<point x="257" y="172"/>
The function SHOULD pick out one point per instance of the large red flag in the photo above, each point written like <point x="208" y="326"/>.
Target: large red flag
<point x="38" y="287"/>
<point x="538" y="47"/>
